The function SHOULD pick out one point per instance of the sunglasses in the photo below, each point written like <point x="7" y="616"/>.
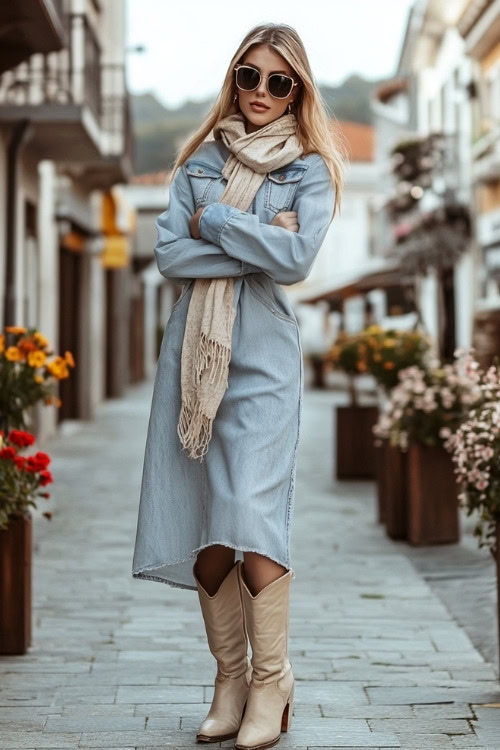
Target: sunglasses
<point x="279" y="85"/>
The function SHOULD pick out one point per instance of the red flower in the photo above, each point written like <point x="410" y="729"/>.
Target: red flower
<point x="46" y="478"/>
<point x="21" y="438"/>
<point x="38" y="462"/>
<point x="43" y="459"/>
<point x="19" y="462"/>
<point x="7" y="452"/>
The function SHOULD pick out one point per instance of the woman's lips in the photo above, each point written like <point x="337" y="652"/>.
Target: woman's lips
<point x="259" y="107"/>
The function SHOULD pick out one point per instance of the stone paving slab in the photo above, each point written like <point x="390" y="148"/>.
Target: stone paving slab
<point x="116" y="663"/>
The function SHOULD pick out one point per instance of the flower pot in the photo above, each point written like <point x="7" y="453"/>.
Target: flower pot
<point x="355" y="447"/>
<point x="433" y="510"/>
<point x="318" y="366"/>
<point x="380" y="465"/>
<point x="396" y="493"/>
<point x="498" y="579"/>
<point x="15" y="585"/>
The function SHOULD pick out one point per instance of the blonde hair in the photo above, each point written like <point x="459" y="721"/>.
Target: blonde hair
<point x="314" y="129"/>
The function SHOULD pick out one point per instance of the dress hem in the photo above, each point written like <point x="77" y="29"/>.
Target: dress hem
<point x="142" y="573"/>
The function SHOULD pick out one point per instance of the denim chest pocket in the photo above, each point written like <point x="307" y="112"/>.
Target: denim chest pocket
<point x="281" y="186"/>
<point x="202" y="178"/>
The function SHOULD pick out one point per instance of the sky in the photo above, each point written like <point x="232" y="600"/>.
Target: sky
<point x="189" y="43"/>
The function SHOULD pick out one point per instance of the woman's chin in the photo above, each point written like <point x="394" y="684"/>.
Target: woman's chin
<point x="258" y="121"/>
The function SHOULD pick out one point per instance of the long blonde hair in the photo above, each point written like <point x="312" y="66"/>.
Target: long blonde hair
<point x="314" y="129"/>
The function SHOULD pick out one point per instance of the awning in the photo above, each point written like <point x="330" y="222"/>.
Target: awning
<point x="377" y="273"/>
<point x="117" y="222"/>
<point x="115" y="252"/>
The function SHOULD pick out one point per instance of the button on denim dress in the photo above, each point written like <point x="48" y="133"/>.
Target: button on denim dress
<point x="242" y="494"/>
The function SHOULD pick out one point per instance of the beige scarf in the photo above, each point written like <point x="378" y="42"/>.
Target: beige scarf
<point x="206" y="348"/>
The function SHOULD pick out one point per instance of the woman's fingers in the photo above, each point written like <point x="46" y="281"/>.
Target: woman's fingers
<point x="287" y="220"/>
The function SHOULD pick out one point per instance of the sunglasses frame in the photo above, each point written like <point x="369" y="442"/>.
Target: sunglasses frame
<point x="282" y="75"/>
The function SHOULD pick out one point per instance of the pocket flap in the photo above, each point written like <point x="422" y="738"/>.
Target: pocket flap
<point x="287" y="174"/>
<point x="201" y="169"/>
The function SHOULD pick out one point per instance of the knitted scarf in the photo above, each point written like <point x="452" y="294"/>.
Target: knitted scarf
<point x="206" y="347"/>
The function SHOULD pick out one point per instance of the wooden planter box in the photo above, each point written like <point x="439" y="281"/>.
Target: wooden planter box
<point x="318" y="367"/>
<point x="433" y="511"/>
<point x="396" y="493"/>
<point x="355" y="447"/>
<point x="498" y="580"/>
<point x="15" y="585"/>
<point x="380" y="464"/>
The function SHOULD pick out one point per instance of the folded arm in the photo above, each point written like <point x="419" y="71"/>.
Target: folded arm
<point x="178" y="255"/>
<point x="285" y="256"/>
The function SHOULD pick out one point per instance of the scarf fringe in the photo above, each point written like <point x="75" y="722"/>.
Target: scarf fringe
<point x="194" y="427"/>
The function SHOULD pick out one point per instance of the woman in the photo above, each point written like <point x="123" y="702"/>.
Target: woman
<point x="248" y="211"/>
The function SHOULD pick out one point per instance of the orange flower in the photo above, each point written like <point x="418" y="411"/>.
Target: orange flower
<point x="389" y="365"/>
<point x="38" y="379"/>
<point x="69" y="358"/>
<point x="40" y="340"/>
<point x="2" y="342"/>
<point x="15" y="329"/>
<point x="36" y="358"/>
<point x="13" y="354"/>
<point x="27" y="345"/>
<point x="58" y="368"/>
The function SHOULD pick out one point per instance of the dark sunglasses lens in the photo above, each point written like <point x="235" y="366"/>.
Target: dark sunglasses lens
<point x="247" y="78"/>
<point x="279" y="85"/>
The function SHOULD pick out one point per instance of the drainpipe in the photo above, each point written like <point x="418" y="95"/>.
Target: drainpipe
<point x="19" y="137"/>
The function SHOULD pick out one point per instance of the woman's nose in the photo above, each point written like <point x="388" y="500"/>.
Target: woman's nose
<point x="262" y="87"/>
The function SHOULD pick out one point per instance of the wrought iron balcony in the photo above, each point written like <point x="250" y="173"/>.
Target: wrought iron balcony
<point x="30" y="26"/>
<point x="78" y="108"/>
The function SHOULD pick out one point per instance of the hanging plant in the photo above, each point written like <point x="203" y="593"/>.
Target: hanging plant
<point x="436" y="239"/>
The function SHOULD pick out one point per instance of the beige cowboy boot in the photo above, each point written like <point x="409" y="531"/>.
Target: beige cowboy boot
<point x="228" y="642"/>
<point x="270" y="700"/>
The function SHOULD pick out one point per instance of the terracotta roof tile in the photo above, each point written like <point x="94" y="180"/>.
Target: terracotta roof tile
<point x="358" y="138"/>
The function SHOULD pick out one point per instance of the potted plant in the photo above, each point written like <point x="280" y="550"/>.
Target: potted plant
<point x="355" y="451"/>
<point x="475" y="448"/>
<point x="21" y="478"/>
<point x="29" y="373"/>
<point x="423" y="410"/>
<point x="389" y="351"/>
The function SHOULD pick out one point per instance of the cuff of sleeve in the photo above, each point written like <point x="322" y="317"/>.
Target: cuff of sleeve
<point x="213" y="218"/>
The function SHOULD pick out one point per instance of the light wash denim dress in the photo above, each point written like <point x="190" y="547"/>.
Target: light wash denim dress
<point x="242" y="494"/>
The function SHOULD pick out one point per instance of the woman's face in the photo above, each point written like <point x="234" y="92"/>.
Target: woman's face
<point x="267" y="61"/>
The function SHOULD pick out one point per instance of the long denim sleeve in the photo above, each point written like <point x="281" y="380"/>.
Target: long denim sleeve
<point x="178" y="255"/>
<point x="285" y="256"/>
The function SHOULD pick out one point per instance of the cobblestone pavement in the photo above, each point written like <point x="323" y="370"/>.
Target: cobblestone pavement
<point x="380" y="661"/>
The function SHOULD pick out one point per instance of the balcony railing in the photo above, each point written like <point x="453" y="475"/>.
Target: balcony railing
<point x="71" y="76"/>
<point x="74" y="76"/>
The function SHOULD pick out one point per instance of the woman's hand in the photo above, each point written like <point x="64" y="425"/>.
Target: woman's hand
<point x="287" y="220"/>
<point x="194" y="224"/>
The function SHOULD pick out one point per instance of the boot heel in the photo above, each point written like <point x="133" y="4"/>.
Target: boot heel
<point x="286" y="719"/>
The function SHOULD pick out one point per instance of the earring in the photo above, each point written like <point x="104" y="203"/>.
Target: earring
<point x="235" y="97"/>
<point x="289" y="107"/>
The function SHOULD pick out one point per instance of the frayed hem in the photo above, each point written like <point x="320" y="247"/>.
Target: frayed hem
<point x="146" y="573"/>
